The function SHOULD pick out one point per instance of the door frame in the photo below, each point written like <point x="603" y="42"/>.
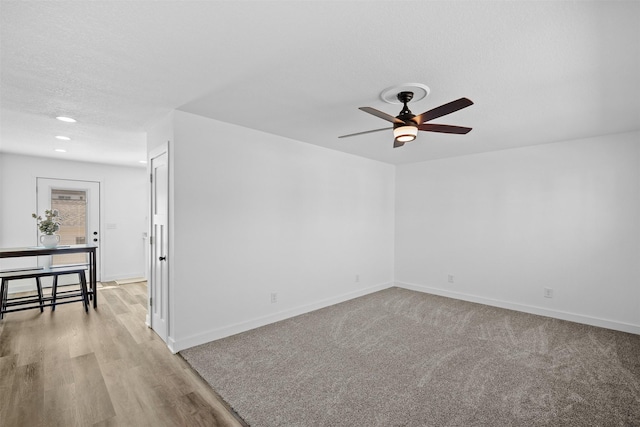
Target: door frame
<point x="152" y="154"/>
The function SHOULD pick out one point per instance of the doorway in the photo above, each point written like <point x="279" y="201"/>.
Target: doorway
<point x="78" y="204"/>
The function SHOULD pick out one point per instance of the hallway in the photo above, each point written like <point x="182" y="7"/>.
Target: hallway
<point x="104" y="368"/>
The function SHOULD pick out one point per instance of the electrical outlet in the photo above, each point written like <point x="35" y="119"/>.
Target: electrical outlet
<point x="450" y="278"/>
<point x="357" y="278"/>
<point x="548" y="293"/>
<point x="274" y="298"/>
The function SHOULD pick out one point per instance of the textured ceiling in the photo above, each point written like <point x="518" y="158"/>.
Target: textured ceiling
<point x="538" y="72"/>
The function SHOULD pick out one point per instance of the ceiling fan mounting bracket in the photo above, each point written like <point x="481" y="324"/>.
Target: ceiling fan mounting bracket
<point x="405" y="115"/>
<point x="390" y="94"/>
<point x="405" y="97"/>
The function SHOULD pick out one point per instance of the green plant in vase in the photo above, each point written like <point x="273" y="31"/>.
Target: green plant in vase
<point x="48" y="226"/>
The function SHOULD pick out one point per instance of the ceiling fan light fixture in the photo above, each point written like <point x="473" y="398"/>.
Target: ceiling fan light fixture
<point x="405" y="133"/>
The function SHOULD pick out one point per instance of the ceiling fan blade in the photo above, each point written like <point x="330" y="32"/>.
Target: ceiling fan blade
<point x="381" y="114"/>
<point x="362" y="133"/>
<point x="443" y="110"/>
<point x="397" y="143"/>
<point x="433" y="127"/>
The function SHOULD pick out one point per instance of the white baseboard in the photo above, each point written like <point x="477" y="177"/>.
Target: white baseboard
<point x="171" y="344"/>
<point x="28" y="285"/>
<point x="123" y="277"/>
<point x="237" y="328"/>
<point x="130" y="280"/>
<point x="556" y="314"/>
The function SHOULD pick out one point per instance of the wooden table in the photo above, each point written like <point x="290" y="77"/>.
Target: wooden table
<point x="61" y="250"/>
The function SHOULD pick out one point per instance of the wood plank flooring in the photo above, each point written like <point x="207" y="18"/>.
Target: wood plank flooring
<point x="104" y="368"/>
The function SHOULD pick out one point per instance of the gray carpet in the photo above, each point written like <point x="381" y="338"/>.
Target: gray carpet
<point x="404" y="358"/>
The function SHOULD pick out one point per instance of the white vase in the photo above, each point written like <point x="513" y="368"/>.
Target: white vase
<point x="49" y="240"/>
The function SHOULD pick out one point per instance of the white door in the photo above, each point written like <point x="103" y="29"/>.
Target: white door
<point x="159" y="277"/>
<point x="78" y="204"/>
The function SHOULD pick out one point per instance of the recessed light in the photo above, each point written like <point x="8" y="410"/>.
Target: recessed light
<point x="64" y="138"/>
<point x="60" y="150"/>
<point x="66" y="119"/>
<point x="144" y="162"/>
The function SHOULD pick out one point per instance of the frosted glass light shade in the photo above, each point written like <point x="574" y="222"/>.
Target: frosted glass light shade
<point x="405" y="133"/>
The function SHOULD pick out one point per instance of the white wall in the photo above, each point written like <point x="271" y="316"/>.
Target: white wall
<point x="507" y="224"/>
<point x="256" y="214"/>
<point x="161" y="133"/>
<point x="123" y="204"/>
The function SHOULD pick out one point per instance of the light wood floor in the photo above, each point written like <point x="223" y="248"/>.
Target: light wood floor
<point x="104" y="368"/>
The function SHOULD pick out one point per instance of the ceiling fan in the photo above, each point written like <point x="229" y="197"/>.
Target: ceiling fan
<point x="406" y="124"/>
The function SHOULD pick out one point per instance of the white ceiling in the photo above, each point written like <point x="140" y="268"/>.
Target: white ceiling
<point x="538" y="72"/>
